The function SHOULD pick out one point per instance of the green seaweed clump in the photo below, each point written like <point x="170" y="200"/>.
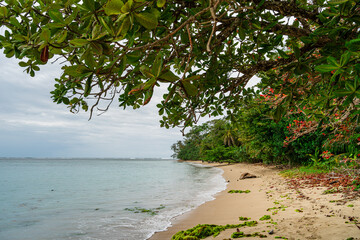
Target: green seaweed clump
<point x="265" y="217"/>
<point x="202" y="231"/>
<point x="241" y="235"/>
<point x="239" y="191"/>
<point x="244" y="218"/>
<point x="152" y="211"/>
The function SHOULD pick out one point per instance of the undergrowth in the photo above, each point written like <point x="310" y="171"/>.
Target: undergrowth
<point x="302" y="171"/>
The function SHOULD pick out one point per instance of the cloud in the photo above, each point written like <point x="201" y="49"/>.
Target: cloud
<point x="31" y="125"/>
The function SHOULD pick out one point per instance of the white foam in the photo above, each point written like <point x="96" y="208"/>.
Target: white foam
<point x="162" y="221"/>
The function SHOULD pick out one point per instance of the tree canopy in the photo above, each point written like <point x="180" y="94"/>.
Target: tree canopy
<point x="203" y="51"/>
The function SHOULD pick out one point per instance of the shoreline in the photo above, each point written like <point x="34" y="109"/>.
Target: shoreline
<point x="315" y="216"/>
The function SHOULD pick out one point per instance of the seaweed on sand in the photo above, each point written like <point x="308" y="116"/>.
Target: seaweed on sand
<point x="202" y="231"/>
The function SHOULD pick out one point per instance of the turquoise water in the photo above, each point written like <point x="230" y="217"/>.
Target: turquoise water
<point x="89" y="198"/>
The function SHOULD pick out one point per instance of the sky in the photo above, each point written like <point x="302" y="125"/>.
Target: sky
<point x="31" y="125"/>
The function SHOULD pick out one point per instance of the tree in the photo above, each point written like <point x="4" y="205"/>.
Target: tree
<point x="189" y="149"/>
<point x="203" y="51"/>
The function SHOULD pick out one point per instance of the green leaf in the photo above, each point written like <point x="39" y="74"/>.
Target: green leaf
<point x="146" y="72"/>
<point x="113" y="7"/>
<point x="282" y="53"/>
<point x="168" y="76"/>
<point x="97" y="48"/>
<point x="136" y="89"/>
<point x="326" y="68"/>
<point x="156" y="68"/>
<point x="149" y="84"/>
<point x="160" y="3"/>
<point x="242" y="34"/>
<point x="61" y="37"/>
<point x="127" y="7"/>
<point x="106" y="26"/>
<point x="350" y="86"/>
<point x="148" y="96"/>
<point x="74" y="14"/>
<point x="88" y="86"/>
<point x="297" y="52"/>
<point x="278" y="113"/>
<point x="45" y="35"/>
<point x="189" y="88"/>
<point x="342" y="93"/>
<point x="307" y="40"/>
<point x="147" y="20"/>
<point x="332" y="61"/>
<point x="15" y="22"/>
<point x="133" y="57"/>
<point x="79" y="42"/>
<point x="56" y="16"/>
<point x="65" y="100"/>
<point x="337" y="2"/>
<point x="124" y="28"/>
<point x="96" y="31"/>
<point x="345" y="57"/>
<point x="193" y="78"/>
<point x="353" y="45"/>
<point x="56" y="25"/>
<point x="76" y="70"/>
<point x="36" y="68"/>
<point x="101" y="85"/>
<point x="88" y="57"/>
<point x="23" y="64"/>
<point x="89" y="4"/>
<point x="3" y="12"/>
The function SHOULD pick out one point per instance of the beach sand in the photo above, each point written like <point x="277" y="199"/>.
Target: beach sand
<point x="295" y="213"/>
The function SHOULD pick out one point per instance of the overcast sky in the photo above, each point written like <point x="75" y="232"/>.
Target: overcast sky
<point x="31" y="125"/>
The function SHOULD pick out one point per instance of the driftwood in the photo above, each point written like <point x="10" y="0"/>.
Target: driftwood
<point x="247" y="175"/>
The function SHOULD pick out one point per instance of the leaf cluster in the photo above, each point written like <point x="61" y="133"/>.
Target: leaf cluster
<point x="203" y="52"/>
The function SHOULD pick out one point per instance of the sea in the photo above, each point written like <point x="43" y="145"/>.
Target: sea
<point x="91" y="199"/>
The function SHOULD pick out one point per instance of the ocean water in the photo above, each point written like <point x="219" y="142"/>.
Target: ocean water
<point x="98" y="198"/>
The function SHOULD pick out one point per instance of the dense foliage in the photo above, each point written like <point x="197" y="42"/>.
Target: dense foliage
<point x="256" y="137"/>
<point x="203" y="51"/>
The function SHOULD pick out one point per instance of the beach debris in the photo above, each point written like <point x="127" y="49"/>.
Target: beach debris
<point x="271" y="232"/>
<point x="242" y="235"/>
<point x="355" y="221"/>
<point x="265" y="217"/>
<point x="246" y="175"/>
<point x="239" y="191"/>
<point x="151" y="211"/>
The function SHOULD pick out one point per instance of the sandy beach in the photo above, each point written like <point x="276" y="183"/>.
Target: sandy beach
<point x="304" y="213"/>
